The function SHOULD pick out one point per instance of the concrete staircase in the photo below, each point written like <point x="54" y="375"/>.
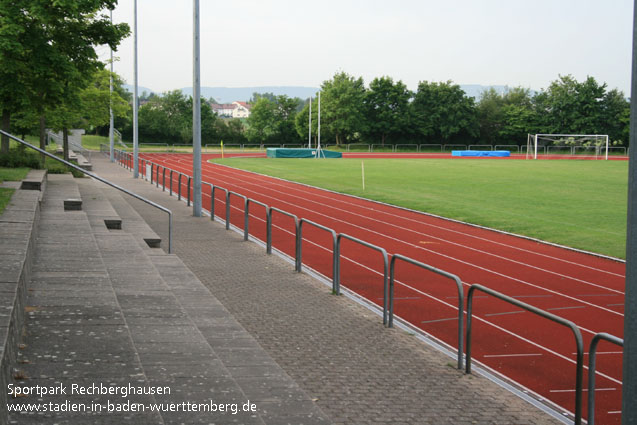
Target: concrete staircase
<point x="107" y="308"/>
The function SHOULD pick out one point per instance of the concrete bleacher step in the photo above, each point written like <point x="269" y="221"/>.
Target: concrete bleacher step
<point x="101" y="213"/>
<point x="103" y="308"/>
<point x="182" y="313"/>
<point x="131" y="221"/>
<point x="35" y="180"/>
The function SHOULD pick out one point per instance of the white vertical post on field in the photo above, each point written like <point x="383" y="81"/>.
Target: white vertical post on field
<point x="196" y="114"/>
<point x="318" y="143"/>
<point x="309" y="137"/>
<point x="535" y="147"/>
<point x="135" y="100"/>
<point x="629" y="381"/>
<point x="111" y="136"/>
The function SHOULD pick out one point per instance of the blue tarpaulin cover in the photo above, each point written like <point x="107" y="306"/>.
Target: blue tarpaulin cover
<point x="300" y="153"/>
<point x="481" y="153"/>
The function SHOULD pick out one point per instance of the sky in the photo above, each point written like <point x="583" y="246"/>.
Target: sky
<point x="248" y="43"/>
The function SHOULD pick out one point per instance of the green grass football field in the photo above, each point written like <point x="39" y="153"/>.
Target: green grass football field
<point x="581" y="204"/>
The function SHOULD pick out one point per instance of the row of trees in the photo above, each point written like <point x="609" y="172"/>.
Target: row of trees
<point x="442" y="112"/>
<point x="49" y="64"/>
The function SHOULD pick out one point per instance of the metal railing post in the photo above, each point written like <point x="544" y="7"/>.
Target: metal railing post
<point x="579" y="371"/>
<point x="427" y="267"/>
<point x="299" y="245"/>
<point x="592" y="354"/>
<point x="296" y="232"/>
<point x="170" y="190"/>
<point x="188" y="191"/>
<point x="163" y="180"/>
<point x="157" y="176"/>
<point x="179" y="187"/>
<point x="247" y="213"/>
<point x="337" y="282"/>
<point x="227" y="210"/>
<point x="152" y="169"/>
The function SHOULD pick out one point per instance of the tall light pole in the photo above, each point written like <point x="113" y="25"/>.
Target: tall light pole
<point x="196" y="114"/>
<point x="135" y="102"/>
<point x="111" y="138"/>
<point x="629" y="386"/>
<point x="309" y="137"/>
<point x="318" y="143"/>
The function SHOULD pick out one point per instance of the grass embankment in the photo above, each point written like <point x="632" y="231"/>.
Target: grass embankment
<point x="9" y="174"/>
<point x="581" y="204"/>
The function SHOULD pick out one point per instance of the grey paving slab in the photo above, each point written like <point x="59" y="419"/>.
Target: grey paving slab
<point x="354" y="369"/>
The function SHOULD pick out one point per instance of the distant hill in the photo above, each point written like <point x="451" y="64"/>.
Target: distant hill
<point x="140" y="89"/>
<point x="231" y="94"/>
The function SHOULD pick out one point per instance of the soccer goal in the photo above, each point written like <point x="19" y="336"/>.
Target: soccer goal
<point x="573" y="145"/>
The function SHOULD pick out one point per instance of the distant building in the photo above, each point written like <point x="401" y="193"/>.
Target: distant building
<point x="232" y="110"/>
<point x="241" y="110"/>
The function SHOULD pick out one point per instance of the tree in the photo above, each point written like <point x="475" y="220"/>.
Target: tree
<point x="342" y="103"/>
<point x="443" y="112"/>
<point x="616" y="116"/>
<point x="505" y="118"/>
<point x="49" y="49"/>
<point x="386" y="106"/>
<point x="97" y="101"/>
<point x="272" y="121"/>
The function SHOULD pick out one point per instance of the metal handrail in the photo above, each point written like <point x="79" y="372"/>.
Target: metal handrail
<point x="579" y="371"/>
<point x="246" y="231"/>
<point x="103" y="180"/>
<point x="592" y="354"/>
<point x="443" y="273"/>
<point x="212" y="204"/>
<point x="337" y="289"/>
<point x="245" y="201"/>
<point x="212" y="200"/>
<point x="299" y="247"/>
<point x="268" y="248"/>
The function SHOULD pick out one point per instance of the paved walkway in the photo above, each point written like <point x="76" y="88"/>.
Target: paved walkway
<point x="357" y="371"/>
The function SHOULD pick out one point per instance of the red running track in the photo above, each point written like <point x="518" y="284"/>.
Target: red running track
<point x="534" y="352"/>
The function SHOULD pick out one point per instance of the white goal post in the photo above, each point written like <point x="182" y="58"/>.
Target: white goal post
<point x="569" y="142"/>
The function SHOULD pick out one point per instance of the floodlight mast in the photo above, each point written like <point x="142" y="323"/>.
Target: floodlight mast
<point x="309" y="137"/>
<point x="111" y="139"/>
<point x="318" y="145"/>
<point x="135" y="101"/>
<point x="196" y="114"/>
<point x="629" y="377"/>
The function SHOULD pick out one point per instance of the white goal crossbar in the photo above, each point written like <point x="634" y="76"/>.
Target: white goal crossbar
<point x="533" y="138"/>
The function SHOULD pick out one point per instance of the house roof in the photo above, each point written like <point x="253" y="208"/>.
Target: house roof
<point x="244" y="104"/>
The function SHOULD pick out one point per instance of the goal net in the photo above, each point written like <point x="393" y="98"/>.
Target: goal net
<point x="572" y="145"/>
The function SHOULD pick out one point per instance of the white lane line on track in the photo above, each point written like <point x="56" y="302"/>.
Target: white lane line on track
<point x="602" y="352"/>
<point x="512" y="355"/>
<point x="430" y="236"/>
<point x="421" y="222"/>
<point x="450" y="257"/>
<point x="583" y="389"/>
<point x="439" y="320"/>
<point x="564" y="308"/>
<point x="504" y="313"/>
<point x="478" y="318"/>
